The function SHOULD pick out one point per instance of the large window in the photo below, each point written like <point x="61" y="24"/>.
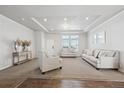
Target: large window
<point x="99" y="38"/>
<point x="70" y="41"/>
<point x="65" y="41"/>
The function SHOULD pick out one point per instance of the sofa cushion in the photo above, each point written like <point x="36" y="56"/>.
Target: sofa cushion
<point x="93" y="59"/>
<point x="106" y="53"/>
<point x="109" y="53"/>
<point x="101" y="53"/>
<point x="90" y="52"/>
<point x="85" y="56"/>
<point x="73" y="50"/>
<point x="65" y="50"/>
<point x="96" y="52"/>
<point x="85" y="51"/>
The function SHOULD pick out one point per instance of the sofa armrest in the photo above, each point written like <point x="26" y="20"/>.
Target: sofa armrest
<point x="107" y="62"/>
<point x="107" y="59"/>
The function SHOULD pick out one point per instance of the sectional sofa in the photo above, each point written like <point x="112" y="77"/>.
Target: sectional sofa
<point x="101" y="58"/>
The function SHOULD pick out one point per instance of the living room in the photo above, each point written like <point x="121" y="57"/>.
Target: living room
<point x="61" y="43"/>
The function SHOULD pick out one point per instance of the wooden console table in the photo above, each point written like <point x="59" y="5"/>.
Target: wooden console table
<point x="26" y="54"/>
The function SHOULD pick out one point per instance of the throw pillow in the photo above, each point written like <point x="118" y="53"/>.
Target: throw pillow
<point x="96" y="52"/>
<point x="90" y="52"/>
<point x="85" y="51"/>
<point x="109" y="53"/>
<point x="102" y="53"/>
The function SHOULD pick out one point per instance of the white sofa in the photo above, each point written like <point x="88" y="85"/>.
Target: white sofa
<point x="68" y="52"/>
<point x="48" y="62"/>
<point x="101" y="59"/>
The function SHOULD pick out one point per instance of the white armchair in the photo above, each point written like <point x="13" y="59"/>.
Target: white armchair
<point x="48" y="62"/>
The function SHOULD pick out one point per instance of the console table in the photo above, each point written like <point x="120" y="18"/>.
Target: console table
<point x="26" y="54"/>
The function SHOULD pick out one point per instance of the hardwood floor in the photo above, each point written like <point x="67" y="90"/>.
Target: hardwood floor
<point x="69" y="83"/>
<point x="73" y="68"/>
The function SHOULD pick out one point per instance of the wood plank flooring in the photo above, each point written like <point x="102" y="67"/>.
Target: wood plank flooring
<point x="69" y="83"/>
<point x="73" y="68"/>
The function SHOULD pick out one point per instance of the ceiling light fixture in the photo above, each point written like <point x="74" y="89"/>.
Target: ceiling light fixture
<point x="87" y="18"/>
<point x="65" y="19"/>
<point x="45" y="19"/>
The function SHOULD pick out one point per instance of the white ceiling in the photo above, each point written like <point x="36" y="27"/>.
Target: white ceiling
<point x="76" y="16"/>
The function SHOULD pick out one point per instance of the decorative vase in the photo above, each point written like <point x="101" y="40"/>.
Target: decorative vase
<point x="16" y="48"/>
<point x="20" y="48"/>
<point x="23" y="48"/>
<point x="28" y="48"/>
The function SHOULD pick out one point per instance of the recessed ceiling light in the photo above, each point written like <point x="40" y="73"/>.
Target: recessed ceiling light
<point x="23" y="19"/>
<point x="45" y="19"/>
<point x="87" y="18"/>
<point x="65" y="19"/>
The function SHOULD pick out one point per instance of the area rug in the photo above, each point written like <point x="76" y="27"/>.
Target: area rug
<point x="68" y="83"/>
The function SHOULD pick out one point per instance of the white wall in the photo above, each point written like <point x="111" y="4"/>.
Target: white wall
<point x="9" y="31"/>
<point x="58" y="37"/>
<point x="114" y="29"/>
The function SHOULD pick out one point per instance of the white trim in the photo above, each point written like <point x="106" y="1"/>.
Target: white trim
<point x="5" y="67"/>
<point x="34" y="19"/>
<point x="121" y="70"/>
<point x="86" y="29"/>
<point x="110" y="19"/>
<point x="70" y="32"/>
<point x="16" y="22"/>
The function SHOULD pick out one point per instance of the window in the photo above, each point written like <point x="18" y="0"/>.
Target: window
<point x="74" y="41"/>
<point x="65" y="41"/>
<point x="99" y="38"/>
<point x="70" y="41"/>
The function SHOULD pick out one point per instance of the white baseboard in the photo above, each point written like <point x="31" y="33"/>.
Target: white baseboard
<point x="12" y="65"/>
<point x="121" y="70"/>
<point x="5" y="67"/>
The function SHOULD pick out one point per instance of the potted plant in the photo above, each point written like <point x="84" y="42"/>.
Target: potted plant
<point x="26" y="45"/>
<point x="23" y="45"/>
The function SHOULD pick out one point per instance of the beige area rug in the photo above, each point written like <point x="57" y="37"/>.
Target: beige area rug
<point x="68" y="83"/>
